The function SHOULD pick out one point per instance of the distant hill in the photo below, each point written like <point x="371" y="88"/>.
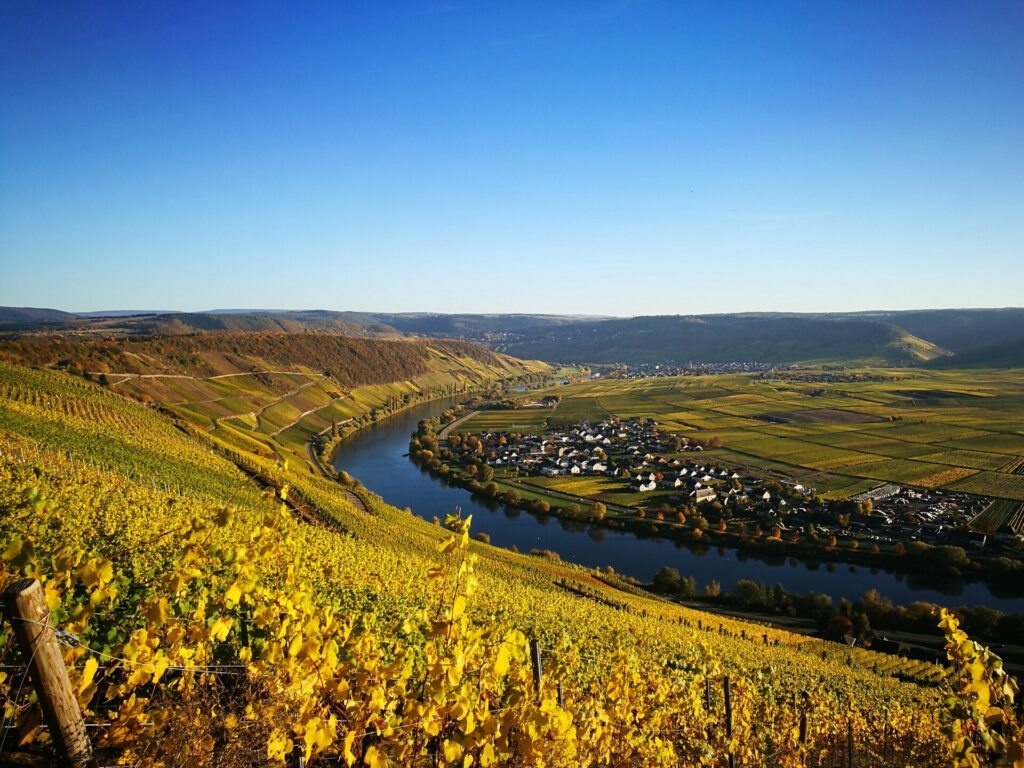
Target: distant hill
<point x="967" y="333"/>
<point x="117" y="323"/>
<point x="946" y="337"/>
<point x="14" y="319"/>
<point x="728" y="338"/>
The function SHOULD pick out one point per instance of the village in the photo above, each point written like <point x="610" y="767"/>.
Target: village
<point x="671" y="368"/>
<point x="635" y="465"/>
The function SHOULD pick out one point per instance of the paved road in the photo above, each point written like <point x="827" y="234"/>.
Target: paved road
<point x="444" y="432"/>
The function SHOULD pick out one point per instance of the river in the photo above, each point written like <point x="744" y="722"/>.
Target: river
<point x="376" y="456"/>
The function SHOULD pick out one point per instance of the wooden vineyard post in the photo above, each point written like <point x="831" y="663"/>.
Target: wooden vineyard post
<point x="728" y="721"/>
<point x="803" y="738"/>
<point x="707" y="704"/>
<point x="536" y="662"/>
<point x="26" y="609"/>
<point x="849" y="744"/>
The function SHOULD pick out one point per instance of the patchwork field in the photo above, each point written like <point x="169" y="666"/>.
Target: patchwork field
<point x="960" y="430"/>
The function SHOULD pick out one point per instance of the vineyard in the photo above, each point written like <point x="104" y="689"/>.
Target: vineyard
<point x="215" y="607"/>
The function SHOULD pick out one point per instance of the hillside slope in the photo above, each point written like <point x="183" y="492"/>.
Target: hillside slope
<point x="272" y="393"/>
<point x="246" y="623"/>
<point x="727" y="338"/>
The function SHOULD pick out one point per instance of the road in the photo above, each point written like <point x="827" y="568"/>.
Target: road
<point x="443" y="434"/>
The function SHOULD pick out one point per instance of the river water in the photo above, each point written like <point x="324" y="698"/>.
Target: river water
<point x="376" y="456"/>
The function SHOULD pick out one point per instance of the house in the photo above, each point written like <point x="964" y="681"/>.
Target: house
<point x="640" y="486"/>
<point x="703" y="494"/>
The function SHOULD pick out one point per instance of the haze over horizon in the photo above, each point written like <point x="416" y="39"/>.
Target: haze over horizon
<point x="413" y="310"/>
<point x="612" y="158"/>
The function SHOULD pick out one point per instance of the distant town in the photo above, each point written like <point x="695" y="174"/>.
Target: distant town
<point x="650" y="472"/>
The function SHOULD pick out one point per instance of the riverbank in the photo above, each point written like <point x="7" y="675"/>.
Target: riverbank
<point x="378" y="458"/>
<point x="1001" y="574"/>
<point x="322" y="456"/>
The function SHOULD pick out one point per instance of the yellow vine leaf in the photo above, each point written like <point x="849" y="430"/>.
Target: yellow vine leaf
<point x="375" y="759"/>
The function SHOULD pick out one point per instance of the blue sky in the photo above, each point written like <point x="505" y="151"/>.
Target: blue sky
<point x="574" y="157"/>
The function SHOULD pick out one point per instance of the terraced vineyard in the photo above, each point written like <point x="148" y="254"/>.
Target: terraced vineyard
<point x="226" y="607"/>
<point x="272" y="393"/>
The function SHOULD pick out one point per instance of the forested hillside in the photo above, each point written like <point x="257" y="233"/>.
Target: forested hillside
<point x="727" y="338"/>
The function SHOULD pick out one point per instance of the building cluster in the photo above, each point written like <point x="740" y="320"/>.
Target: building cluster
<point x="932" y="516"/>
<point x="636" y="451"/>
<point x="655" y="370"/>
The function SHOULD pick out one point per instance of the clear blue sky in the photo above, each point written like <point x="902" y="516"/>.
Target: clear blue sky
<point x="574" y="157"/>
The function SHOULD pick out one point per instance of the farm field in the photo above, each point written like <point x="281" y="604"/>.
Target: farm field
<point x="512" y="420"/>
<point x="959" y="430"/>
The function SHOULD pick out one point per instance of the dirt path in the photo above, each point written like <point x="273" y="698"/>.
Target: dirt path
<point x="346" y="494"/>
<point x="304" y="414"/>
<point x="126" y="376"/>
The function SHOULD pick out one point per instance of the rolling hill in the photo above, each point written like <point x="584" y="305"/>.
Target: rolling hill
<point x="943" y="337"/>
<point x="728" y="338"/>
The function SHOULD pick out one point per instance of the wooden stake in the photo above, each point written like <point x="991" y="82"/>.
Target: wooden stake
<point x="728" y="720"/>
<point x="537" y="668"/>
<point x="26" y="609"/>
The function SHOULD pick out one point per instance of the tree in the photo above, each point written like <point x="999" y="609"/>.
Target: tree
<point x="839" y="626"/>
<point x="598" y="511"/>
<point x="486" y="473"/>
<point x="666" y="580"/>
